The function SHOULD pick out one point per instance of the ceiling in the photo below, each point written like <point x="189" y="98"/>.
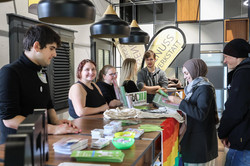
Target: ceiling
<point x="101" y="6"/>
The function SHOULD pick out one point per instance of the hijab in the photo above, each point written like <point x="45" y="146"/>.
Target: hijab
<point x="196" y="68"/>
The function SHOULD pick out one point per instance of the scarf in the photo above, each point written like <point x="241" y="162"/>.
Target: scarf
<point x="194" y="85"/>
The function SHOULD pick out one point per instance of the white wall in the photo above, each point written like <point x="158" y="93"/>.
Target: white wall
<point x="5" y="7"/>
<point x="212" y="9"/>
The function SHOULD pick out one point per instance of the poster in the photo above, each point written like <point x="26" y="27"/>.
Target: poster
<point x="167" y="43"/>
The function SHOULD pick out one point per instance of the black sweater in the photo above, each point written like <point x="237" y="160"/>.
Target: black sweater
<point x="21" y="91"/>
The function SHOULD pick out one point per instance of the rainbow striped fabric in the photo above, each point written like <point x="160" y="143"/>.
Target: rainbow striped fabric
<point x="170" y="143"/>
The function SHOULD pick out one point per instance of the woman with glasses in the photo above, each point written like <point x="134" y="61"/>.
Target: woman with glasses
<point x="106" y="79"/>
<point x="85" y="98"/>
<point x="128" y="75"/>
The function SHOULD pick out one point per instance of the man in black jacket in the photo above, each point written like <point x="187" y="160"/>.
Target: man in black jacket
<point x="234" y="129"/>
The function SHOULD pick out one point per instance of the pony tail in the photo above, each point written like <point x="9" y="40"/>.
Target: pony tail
<point x="100" y="76"/>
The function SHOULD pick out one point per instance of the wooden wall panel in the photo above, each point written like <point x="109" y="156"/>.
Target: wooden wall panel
<point x="236" y="28"/>
<point x="188" y="10"/>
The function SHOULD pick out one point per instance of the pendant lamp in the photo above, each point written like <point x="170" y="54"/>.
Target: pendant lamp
<point x="110" y="26"/>
<point x="69" y="12"/>
<point x="137" y="36"/>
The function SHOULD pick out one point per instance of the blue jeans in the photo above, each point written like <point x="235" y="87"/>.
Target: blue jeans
<point x="238" y="158"/>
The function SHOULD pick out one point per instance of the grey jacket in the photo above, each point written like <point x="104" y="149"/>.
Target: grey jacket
<point x="158" y="77"/>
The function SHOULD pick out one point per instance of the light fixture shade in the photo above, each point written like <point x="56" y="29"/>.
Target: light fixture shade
<point x="137" y="36"/>
<point x="110" y="26"/>
<point x="69" y="12"/>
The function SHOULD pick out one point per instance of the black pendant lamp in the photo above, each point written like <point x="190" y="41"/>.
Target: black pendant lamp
<point x="68" y="12"/>
<point x="137" y="36"/>
<point x="110" y="26"/>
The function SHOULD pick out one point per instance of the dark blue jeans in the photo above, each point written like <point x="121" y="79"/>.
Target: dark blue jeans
<point x="238" y="158"/>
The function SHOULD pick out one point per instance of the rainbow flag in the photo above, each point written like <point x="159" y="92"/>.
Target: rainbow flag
<point x="170" y="143"/>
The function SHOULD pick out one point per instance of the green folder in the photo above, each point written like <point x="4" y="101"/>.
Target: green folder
<point x="122" y="89"/>
<point x="99" y="155"/>
<point x="150" y="127"/>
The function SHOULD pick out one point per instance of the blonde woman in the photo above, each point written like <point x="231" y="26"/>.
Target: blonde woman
<point x="128" y="75"/>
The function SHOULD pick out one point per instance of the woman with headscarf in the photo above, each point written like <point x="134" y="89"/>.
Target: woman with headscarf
<point x="199" y="146"/>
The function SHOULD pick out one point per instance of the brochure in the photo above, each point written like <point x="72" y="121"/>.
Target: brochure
<point x="138" y="132"/>
<point x="99" y="155"/>
<point x="68" y="144"/>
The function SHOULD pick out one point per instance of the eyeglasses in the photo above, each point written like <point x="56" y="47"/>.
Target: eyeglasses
<point x="150" y="59"/>
<point x="113" y="74"/>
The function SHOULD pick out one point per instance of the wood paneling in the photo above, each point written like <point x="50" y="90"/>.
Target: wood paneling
<point x="236" y="28"/>
<point x="188" y="10"/>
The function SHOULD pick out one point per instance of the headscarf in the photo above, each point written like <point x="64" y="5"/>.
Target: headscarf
<point x="196" y="68"/>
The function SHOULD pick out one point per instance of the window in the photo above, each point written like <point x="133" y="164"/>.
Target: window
<point x="102" y="52"/>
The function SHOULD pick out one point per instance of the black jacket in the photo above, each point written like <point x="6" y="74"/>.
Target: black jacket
<point x="199" y="144"/>
<point x="235" y="121"/>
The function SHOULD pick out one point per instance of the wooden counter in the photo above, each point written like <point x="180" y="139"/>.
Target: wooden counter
<point x="144" y="152"/>
<point x="139" y="154"/>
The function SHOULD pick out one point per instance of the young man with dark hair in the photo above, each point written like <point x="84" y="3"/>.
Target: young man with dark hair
<point x="234" y="129"/>
<point x="24" y="86"/>
<point x="151" y="78"/>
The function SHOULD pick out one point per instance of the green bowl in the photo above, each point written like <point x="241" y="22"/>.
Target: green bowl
<point x="123" y="142"/>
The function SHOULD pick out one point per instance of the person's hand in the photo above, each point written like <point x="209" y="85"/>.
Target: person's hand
<point x="106" y="107"/>
<point x="225" y="142"/>
<point x="174" y="82"/>
<point x="65" y="121"/>
<point x="161" y="88"/>
<point x="174" y="99"/>
<point x="63" y="129"/>
<point x="62" y="121"/>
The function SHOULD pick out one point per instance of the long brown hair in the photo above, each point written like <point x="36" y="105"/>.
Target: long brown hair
<point x="104" y="71"/>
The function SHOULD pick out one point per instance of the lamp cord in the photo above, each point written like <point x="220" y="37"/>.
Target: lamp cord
<point x="14" y="3"/>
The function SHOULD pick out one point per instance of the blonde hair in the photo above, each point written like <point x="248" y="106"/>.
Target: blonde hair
<point x="128" y="70"/>
<point x="104" y="71"/>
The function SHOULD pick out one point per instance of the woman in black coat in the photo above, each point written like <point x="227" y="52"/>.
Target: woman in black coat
<point x="199" y="144"/>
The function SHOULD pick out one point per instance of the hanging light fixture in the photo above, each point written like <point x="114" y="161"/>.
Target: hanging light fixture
<point x="69" y="12"/>
<point x="110" y="26"/>
<point x="137" y="36"/>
